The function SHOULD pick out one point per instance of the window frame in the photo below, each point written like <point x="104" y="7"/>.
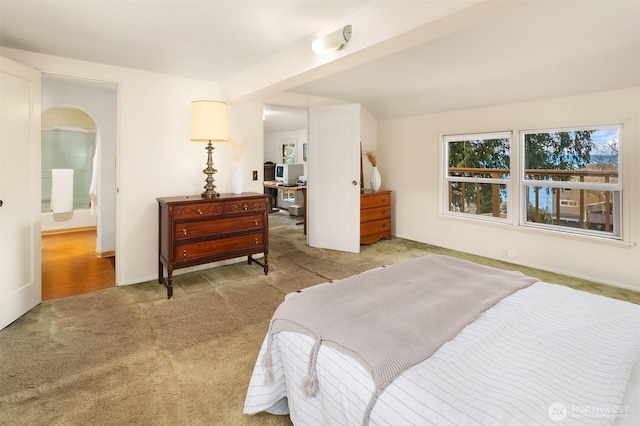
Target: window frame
<point x="615" y="188"/>
<point x="448" y="180"/>
<point x="517" y="185"/>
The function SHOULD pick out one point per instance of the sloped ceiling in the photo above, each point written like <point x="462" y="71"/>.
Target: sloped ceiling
<point x="547" y="49"/>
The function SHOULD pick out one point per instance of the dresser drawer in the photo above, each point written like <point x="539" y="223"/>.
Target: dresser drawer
<point x="254" y="205"/>
<point x="197" y="210"/>
<point x="213" y="247"/>
<point x="375" y="200"/>
<point x="377" y="213"/>
<point x="375" y="227"/>
<point x="202" y="228"/>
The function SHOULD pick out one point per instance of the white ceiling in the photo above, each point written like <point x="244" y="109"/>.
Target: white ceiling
<point x="278" y="118"/>
<point x="546" y="49"/>
<point x="203" y="39"/>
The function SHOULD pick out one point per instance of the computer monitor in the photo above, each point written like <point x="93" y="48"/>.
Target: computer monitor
<point x="289" y="173"/>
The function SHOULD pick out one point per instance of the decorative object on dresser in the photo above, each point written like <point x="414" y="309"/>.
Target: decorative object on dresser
<point x="195" y="231"/>
<point x="209" y="124"/>
<point x="375" y="180"/>
<point x="375" y="216"/>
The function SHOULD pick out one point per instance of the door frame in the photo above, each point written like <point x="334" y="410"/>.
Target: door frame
<point x="103" y="121"/>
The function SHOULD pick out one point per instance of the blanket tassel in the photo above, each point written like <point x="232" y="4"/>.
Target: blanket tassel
<point x="310" y="383"/>
<point x="267" y="361"/>
<point x="310" y="386"/>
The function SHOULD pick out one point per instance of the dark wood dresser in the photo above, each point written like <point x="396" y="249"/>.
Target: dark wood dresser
<point x="375" y="216"/>
<point x="195" y="230"/>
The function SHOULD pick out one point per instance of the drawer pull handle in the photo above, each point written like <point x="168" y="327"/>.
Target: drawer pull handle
<point x="184" y="231"/>
<point x="384" y="225"/>
<point x="255" y="222"/>
<point x="199" y="211"/>
<point x="184" y="253"/>
<point x="383" y="212"/>
<point x="256" y="241"/>
<point x="384" y="200"/>
<point x="245" y="206"/>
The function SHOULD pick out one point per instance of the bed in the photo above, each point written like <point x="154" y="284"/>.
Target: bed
<point x="535" y="354"/>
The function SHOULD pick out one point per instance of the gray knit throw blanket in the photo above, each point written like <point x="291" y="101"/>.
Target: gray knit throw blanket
<point x="393" y="317"/>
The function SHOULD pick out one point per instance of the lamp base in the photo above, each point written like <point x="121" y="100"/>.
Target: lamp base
<point x="209" y="188"/>
<point x="210" y="194"/>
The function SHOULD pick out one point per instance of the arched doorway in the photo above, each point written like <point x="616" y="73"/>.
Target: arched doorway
<point x="71" y="261"/>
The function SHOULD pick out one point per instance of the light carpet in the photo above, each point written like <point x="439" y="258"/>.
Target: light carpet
<point x="129" y="356"/>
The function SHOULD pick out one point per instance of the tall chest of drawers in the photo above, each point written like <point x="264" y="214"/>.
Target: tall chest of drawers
<point x="195" y="230"/>
<point x="375" y="216"/>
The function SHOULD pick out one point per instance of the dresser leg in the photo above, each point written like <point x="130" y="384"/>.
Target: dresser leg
<point x="168" y="282"/>
<point x="170" y="288"/>
<point x="266" y="262"/>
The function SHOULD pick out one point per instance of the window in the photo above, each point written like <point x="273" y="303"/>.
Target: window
<point x="568" y="179"/>
<point x="571" y="180"/>
<point x="289" y="153"/>
<point x="478" y="174"/>
<point x="288" y="195"/>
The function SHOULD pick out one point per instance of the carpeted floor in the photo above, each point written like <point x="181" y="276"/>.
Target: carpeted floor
<point x="127" y="355"/>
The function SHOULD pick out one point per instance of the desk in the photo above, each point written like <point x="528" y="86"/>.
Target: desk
<point x="303" y="188"/>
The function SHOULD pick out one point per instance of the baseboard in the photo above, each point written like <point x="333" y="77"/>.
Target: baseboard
<point x="104" y="254"/>
<point x="67" y="230"/>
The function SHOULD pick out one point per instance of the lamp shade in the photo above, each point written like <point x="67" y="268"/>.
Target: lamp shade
<point x="209" y="121"/>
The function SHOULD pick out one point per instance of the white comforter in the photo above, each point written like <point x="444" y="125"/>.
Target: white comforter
<point x="545" y="355"/>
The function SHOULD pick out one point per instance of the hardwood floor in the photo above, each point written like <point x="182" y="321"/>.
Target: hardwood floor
<point x="70" y="266"/>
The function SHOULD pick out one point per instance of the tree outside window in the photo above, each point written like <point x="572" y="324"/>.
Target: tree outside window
<point x="478" y="173"/>
<point x="569" y="181"/>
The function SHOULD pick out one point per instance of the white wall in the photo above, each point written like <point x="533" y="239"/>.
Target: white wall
<point x="273" y="145"/>
<point x="409" y="154"/>
<point x="155" y="156"/>
<point x="245" y="126"/>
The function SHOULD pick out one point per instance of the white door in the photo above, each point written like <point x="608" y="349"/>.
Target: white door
<point x="333" y="212"/>
<point x="20" y="256"/>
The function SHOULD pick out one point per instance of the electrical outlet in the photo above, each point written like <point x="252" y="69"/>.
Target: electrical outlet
<point x="255" y="175"/>
<point x="510" y="253"/>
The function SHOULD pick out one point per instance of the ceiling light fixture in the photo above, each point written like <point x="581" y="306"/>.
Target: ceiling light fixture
<point x="335" y="40"/>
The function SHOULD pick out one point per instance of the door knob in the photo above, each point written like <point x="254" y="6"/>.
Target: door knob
<point x="1" y="203"/>
<point x="354" y="183"/>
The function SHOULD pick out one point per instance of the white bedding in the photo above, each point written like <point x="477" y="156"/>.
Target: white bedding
<point x="545" y="353"/>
